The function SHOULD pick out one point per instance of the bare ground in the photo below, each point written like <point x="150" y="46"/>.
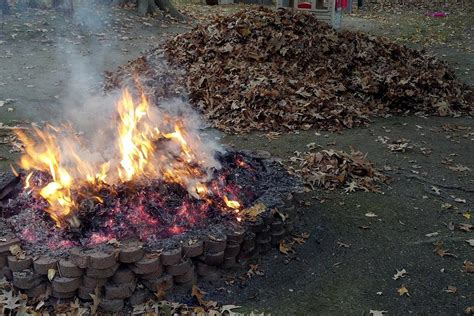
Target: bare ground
<point x="347" y="264"/>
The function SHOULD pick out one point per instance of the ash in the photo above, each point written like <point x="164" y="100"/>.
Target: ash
<point x="158" y="213"/>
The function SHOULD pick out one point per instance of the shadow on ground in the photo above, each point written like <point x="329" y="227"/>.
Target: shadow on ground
<point x="347" y="264"/>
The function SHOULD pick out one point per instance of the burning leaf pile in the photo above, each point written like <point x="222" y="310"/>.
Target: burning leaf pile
<point x="264" y="70"/>
<point x="158" y="179"/>
<point x="332" y="168"/>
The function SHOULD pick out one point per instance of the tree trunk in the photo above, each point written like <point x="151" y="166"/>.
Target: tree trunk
<point x="5" y="7"/>
<point x="147" y="7"/>
<point x="120" y="3"/>
<point x="167" y="6"/>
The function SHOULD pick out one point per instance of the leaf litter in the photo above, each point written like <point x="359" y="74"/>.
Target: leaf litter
<point x="331" y="169"/>
<point x="261" y="69"/>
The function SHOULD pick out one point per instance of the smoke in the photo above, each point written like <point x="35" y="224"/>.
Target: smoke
<point x="91" y="138"/>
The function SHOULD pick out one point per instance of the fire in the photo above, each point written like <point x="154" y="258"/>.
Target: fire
<point x="135" y="143"/>
<point x="148" y="145"/>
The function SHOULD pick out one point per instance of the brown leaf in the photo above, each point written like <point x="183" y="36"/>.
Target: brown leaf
<point x="403" y="291"/>
<point x="468" y="266"/>
<point x="440" y="251"/>
<point x="451" y="289"/>
<point x="95" y="300"/>
<point x="286" y="248"/>
<point x="199" y="295"/>
<point x="160" y="293"/>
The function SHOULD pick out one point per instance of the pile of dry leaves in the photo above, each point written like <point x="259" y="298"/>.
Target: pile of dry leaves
<point x="261" y="69"/>
<point x="335" y="168"/>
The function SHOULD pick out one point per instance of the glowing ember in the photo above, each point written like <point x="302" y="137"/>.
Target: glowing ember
<point x="150" y="145"/>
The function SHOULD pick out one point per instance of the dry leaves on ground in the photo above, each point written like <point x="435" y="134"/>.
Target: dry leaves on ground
<point x="403" y="291"/>
<point x="335" y="168"/>
<point x="261" y="69"/>
<point x="468" y="266"/>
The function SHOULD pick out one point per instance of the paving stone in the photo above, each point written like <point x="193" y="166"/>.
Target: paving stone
<point x="102" y="273"/>
<point x="184" y="278"/>
<point x="148" y="264"/>
<point x="232" y="250"/>
<point x="229" y="262"/>
<point x="69" y="270"/>
<point x="235" y="235"/>
<point x="215" y="243"/>
<point x="66" y="285"/>
<point x="131" y="252"/>
<point x="123" y="275"/>
<point x="171" y="256"/>
<point x="179" y="268"/>
<point x="277" y="225"/>
<point x="255" y="226"/>
<point x="93" y="282"/>
<point x="265" y="233"/>
<point x="7" y="273"/>
<point x="43" y="264"/>
<point x="264" y="245"/>
<point x="26" y="280"/>
<point x="165" y="282"/>
<point x="63" y="295"/>
<point x="139" y="297"/>
<point x="193" y="250"/>
<point x="17" y="265"/>
<point x="289" y="225"/>
<point x="9" y="241"/>
<point x="84" y="293"/>
<point x="152" y="275"/>
<point x="119" y="291"/>
<point x="249" y="242"/>
<point x="214" y="259"/>
<point x="3" y="262"/>
<point x="79" y="257"/>
<point x="277" y="237"/>
<point x="102" y="260"/>
<point x="203" y="269"/>
<point x="36" y="291"/>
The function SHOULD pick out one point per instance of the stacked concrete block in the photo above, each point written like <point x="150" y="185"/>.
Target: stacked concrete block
<point x="130" y="274"/>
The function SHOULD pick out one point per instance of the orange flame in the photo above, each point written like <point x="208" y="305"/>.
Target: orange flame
<point x="142" y="151"/>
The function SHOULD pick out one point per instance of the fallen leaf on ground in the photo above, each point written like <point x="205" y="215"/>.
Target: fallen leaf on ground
<point x="199" y="295"/>
<point x="400" y="274"/>
<point x="370" y="214"/>
<point x="465" y="227"/>
<point x="300" y="239"/>
<point x="469" y="310"/>
<point x="377" y="313"/>
<point x="468" y="266"/>
<point x="160" y="291"/>
<point x="436" y="190"/>
<point x="9" y="300"/>
<point x="286" y="248"/>
<point x="228" y="309"/>
<point x="470" y="241"/>
<point x="254" y="211"/>
<point x="451" y="289"/>
<point x="440" y="251"/>
<point x="254" y="270"/>
<point x="403" y="291"/>
<point x="51" y="274"/>
<point x="95" y="300"/>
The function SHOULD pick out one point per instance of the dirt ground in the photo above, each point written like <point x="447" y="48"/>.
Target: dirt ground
<point x="347" y="265"/>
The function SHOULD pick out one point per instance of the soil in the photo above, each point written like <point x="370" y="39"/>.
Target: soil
<point x="348" y="263"/>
